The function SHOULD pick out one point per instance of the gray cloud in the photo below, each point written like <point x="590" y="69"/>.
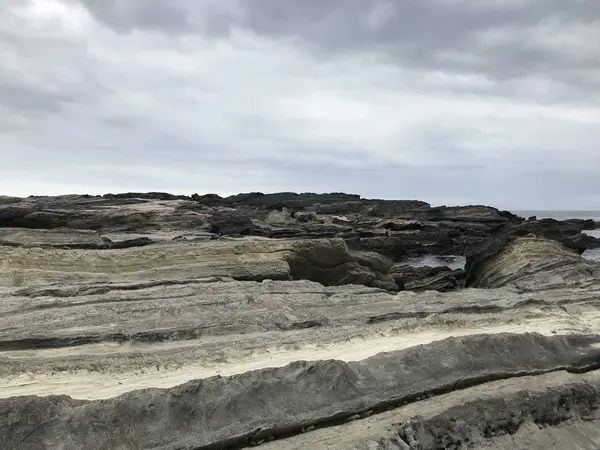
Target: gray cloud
<point x="503" y="39"/>
<point x="450" y="101"/>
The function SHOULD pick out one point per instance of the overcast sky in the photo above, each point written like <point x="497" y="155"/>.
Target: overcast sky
<point x="447" y="101"/>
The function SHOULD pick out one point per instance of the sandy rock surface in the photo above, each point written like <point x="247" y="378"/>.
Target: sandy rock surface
<point x="328" y="261"/>
<point x="168" y="322"/>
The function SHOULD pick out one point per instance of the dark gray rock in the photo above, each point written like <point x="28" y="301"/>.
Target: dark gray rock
<point x="236" y="411"/>
<point x="479" y="423"/>
<point x="394" y="228"/>
<point x="424" y="278"/>
<point x="443" y="281"/>
<point x="147" y="196"/>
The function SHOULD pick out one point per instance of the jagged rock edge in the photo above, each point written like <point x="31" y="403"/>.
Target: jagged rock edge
<point x="476" y="422"/>
<point x="579" y="364"/>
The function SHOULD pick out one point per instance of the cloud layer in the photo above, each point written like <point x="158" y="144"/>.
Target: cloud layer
<point x="448" y="101"/>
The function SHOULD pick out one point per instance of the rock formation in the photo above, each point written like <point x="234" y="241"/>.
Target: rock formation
<point x="293" y="321"/>
<point x="327" y="261"/>
<point x="398" y="229"/>
<point x="249" y="408"/>
<point x="531" y="263"/>
<point x="440" y="278"/>
<point x="414" y="227"/>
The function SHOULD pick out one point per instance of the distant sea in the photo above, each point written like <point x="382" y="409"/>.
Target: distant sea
<point x="592" y="255"/>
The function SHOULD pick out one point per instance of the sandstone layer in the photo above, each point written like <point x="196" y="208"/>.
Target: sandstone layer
<point x="531" y="263"/>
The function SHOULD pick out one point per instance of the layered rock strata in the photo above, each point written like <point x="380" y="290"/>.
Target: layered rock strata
<point x="174" y="322"/>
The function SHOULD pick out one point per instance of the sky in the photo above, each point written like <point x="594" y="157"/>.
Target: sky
<point x="453" y="102"/>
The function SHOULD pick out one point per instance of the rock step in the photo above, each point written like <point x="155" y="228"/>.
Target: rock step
<point x="248" y="408"/>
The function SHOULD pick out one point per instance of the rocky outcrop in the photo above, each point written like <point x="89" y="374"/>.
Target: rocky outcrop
<point x="66" y="238"/>
<point x="443" y="281"/>
<point x="235" y="411"/>
<point x="441" y="278"/>
<point x="102" y="215"/>
<point x="327" y="261"/>
<point x="570" y="233"/>
<point x="394" y="228"/>
<point x="530" y="264"/>
<point x="6" y="200"/>
<point x="58" y="237"/>
<point x="151" y="320"/>
<point x="564" y="416"/>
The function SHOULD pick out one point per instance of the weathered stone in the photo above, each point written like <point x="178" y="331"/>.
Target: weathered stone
<point x="531" y="264"/>
<point x="395" y="228"/>
<point x="102" y="296"/>
<point x="442" y="281"/>
<point x="327" y="261"/>
<point x="224" y="412"/>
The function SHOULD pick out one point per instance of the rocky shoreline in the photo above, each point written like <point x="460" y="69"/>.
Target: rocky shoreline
<point x="149" y="320"/>
<point x="395" y="229"/>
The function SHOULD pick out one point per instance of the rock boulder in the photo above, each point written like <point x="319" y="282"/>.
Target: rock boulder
<point x="529" y="264"/>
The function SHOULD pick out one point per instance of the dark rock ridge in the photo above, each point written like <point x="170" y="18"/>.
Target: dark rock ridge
<point x="568" y="232"/>
<point x="441" y="278"/>
<point x="480" y="422"/>
<point x="248" y="408"/>
<point x="393" y="227"/>
<point x="66" y="239"/>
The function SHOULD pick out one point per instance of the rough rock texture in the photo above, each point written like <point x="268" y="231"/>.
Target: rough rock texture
<point x="396" y="229"/>
<point x="67" y="239"/>
<point x="443" y="281"/>
<point x="393" y="228"/>
<point x="148" y="320"/>
<point x="97" y="340"/>
<point x="531" y="263"/>
<point x="58" y="237"/>
<point x="553" y="410"/>
<point x="235" y="411"/>
<point x="441" y="278"/>
<point x="523" y="420"/>
<point x="327" y="261"/>
<point x="568" y="233"/>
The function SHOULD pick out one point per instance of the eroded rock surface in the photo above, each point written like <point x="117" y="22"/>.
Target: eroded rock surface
<point x="393" y="228"/>
<point x="250" y="407"/>
<point x="327" y="261"/>
<point x="553" y="410"/>
<point x="532" y="263"/>
<point x="567" y="416"/>
<point x="441" y="278"/>
<point x="173" y="322"/>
